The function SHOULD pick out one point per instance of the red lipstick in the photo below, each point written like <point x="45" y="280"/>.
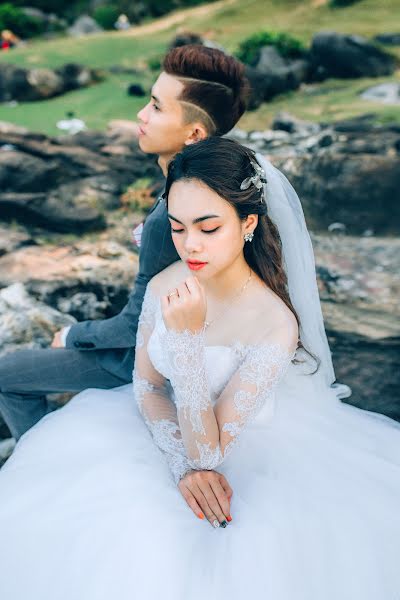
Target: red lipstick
<point x="195" y="265"/>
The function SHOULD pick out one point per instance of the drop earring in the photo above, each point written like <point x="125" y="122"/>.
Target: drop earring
<point x="248" y="237"/>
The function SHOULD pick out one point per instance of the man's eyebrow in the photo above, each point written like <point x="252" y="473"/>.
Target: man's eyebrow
<point x="198" y="220"/>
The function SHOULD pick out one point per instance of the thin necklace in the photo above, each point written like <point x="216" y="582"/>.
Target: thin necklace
<point x="229" y="304"/>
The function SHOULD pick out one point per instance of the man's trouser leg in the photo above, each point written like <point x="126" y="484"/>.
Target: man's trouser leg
<point x="28" y="375"/>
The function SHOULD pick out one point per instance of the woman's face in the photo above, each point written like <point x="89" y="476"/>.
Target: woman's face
<point x="206" y="230"/>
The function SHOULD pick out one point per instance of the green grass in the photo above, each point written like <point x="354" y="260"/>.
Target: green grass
<point x="228" y="25"/>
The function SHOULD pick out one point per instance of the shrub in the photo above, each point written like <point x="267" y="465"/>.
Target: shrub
<point x="287" y="46"/>
<point x="106" y="16"/>
<point x="24" y="26"/>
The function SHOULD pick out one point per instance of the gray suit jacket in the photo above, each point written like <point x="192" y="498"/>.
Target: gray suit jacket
<point x="114" y="339"/>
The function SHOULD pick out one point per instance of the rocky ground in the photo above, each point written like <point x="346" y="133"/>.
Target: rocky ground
<point x="347" y="175"/>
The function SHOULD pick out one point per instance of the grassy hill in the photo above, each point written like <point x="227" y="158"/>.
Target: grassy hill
<point x="226" y="22"/>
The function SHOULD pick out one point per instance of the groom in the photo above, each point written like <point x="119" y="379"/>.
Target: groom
<point x="200" y="92"/>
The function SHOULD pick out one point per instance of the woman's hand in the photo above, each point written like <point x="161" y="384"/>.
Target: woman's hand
<point x="185" y="307"/>
<point x="208" y="494"/>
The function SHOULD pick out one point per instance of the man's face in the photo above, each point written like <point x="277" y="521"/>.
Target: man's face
<point x="162" y="130"/>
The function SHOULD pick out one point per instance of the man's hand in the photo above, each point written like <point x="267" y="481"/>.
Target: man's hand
<point x="208" y="493"/>
<point x="57" y="343"/>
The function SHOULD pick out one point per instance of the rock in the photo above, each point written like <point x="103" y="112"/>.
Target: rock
<point x="26" y="85"/>
<point x="45" y="83"/>
<point x="83" y="279"/>
<point x="47" y="211"/>
<point x="83" y="306"/>
<point x="348" y="172"/>
<point x="391" y="39"/>
<point x="84" y="25"/>
<point x="270" y="60"/>
<point x="284" y="121"/>
<point x="274" y="75"/>
<point x="66" y="184"/>
<point x="12" y="128"/>
<point x="76" y="76"/>
<point x="358" y="190"/>
<point x="387" y="93"/>
<point x="185" y="37"/>
<point x="339" y="55"/>
<point x="369" y="365"/>
<point x="11" y="239"/>
<point x="25" y="322"/>
<point x="359" y="284"/>
<point x="135" y="89"/>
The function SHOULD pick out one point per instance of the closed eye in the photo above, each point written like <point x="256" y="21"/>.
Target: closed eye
<point x="210" y="230"/>
<point x="203" y="230"/>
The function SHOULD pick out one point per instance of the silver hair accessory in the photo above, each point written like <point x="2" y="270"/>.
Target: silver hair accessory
<point x="248" y="237"/>
<point x="258" y="179"/>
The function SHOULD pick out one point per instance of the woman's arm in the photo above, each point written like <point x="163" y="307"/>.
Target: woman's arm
<point x="152" y="395"/>
<point x="208" y="432"/>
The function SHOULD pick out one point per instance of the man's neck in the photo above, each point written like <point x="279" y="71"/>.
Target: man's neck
<point x="163" y="161"/>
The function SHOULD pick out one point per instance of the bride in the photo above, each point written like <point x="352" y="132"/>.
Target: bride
<point x="232" y="372"/>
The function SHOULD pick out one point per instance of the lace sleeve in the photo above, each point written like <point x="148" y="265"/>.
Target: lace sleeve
<point x="152" y="395"/>
<point x="209" y="432"/>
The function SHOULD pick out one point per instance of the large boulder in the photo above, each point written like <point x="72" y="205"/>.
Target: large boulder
<point x="359" y="284"/>
<point x="87" y="279"/>
<point x="390" y="39"/>
<point x="347" y="173"/>
<point x="25" y="322"/>
<point x="273" y="75"/>
<point x="84" y="25"/>
<point x="358" y="190"/>
<point x="26" y="85"/>
<point x="68" y="184"/>
<point x="338" y="55"/>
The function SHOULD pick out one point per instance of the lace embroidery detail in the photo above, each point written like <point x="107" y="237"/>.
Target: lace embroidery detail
<point x="233" y="429"/>
<point x="140" y="388"/>
<point x="146" y="319"/>
<point x="185" y="351"/>
<point x="178" y="465"/>
<point x="209" y="457"/>
<point x="262" y="369"/>
<point x="164" y="434"/>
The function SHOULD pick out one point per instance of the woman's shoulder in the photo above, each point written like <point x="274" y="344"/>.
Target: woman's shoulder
<point x="276" y="322"/>
<point x="168" y="279"/>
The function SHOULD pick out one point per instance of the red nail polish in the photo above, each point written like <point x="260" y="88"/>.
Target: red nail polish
<point x="229" y="518"/>
<point x="201" y="516"/>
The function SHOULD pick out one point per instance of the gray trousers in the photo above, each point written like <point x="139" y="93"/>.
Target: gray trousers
<point x="28" y="375"/>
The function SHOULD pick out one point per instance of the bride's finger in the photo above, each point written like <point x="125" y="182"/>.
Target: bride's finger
<point x="224" y="482"/>
<point x="191" y="502"/>
<point x="222" y="498"/>
<point x="214" y="505"/>
<point x="202" y="501"/>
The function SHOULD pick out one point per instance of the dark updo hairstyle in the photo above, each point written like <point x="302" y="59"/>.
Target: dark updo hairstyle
<point x="214" y="83"/>
<point x="222" y="165"/>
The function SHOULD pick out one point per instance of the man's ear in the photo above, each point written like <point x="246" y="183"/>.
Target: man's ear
<point x="197" y="133"/>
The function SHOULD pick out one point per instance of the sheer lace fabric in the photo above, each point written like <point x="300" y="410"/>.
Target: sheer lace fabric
<point x="194" y="424"/>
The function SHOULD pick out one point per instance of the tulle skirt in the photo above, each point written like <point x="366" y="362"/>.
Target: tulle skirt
<point x="88" y="510"/>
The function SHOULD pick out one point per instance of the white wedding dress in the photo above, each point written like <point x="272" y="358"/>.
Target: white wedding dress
<point x="89" y="509"/>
